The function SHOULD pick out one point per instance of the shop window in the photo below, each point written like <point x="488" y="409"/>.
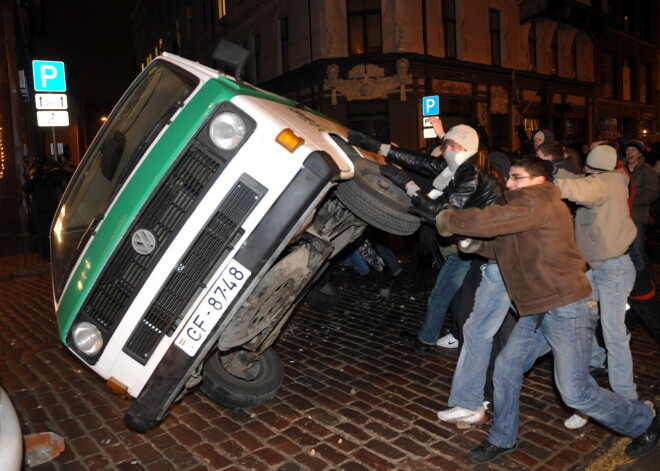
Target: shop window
<point x="645" y="127"/>
<point x="370" y="117"/>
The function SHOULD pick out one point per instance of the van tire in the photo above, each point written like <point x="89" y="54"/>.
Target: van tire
<point x="234" y="392"/>
<point x="376" y="200"/>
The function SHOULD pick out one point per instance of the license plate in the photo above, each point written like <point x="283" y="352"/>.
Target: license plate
<point x="212" y="307"/>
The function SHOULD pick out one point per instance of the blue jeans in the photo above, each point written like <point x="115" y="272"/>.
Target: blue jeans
<point x="446" y="286"/>
<point x="491" y="304"/>
<point x="611" y="284"/>
<point x="637" y="248"/>
<point x="568" y="331"/>
<point x="356" y="261"/>
<point x="388" y="255"/>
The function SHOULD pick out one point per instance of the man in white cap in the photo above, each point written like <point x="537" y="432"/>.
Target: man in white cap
<point x="459" y="180"/>
<point x="604" y="231"/>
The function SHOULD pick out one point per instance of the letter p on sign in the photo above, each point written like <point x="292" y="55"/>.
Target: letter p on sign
<point x="48" y="76"/>
<point x="430" y="105"/>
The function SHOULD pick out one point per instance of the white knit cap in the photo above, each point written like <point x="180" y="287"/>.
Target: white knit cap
<point x="465" y="136"/>
<point x="539" y="135"/>
<point x="602" y="158"/>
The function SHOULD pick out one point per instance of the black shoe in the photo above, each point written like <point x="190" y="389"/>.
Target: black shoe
<point x="598" y="371"/>
<point x="486" y="452"/>
<point x="646" y="442"/>
<point x="411" y="341"/>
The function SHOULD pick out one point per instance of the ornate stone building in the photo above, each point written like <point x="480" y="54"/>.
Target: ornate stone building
<point x="368" y="63"/>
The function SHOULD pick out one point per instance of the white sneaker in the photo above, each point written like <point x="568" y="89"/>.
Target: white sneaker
<point x="448" y="341"/>
<point x="459" y="414"/>
<point x="576" y="421"/>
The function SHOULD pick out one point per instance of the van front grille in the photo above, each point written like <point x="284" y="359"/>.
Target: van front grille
<point x="167" y="210"/>
<point x="206" y="253"/>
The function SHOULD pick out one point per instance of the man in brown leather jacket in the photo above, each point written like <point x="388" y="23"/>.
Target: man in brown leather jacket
<point x="534" y="245"/>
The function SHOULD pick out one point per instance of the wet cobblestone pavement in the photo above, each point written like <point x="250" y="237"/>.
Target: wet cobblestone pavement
<point x="353" y="397"/>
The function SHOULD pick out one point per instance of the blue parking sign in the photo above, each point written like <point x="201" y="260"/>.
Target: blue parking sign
<point x="48" y="76"/>
<point x="431" y="105"/>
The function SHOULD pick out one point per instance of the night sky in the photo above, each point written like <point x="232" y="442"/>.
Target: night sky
<point x="93" y="38"/>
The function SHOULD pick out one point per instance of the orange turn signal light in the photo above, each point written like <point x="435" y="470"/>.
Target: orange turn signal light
<point x="288" y="139"/>
<point x="117" y="386"/>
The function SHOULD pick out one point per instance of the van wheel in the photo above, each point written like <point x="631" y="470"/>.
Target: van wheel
<point x="241" y="380"/>
<point x="376" y="200"/>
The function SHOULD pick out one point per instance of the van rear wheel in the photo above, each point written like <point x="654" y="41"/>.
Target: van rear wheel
<point x="241" y="379"/>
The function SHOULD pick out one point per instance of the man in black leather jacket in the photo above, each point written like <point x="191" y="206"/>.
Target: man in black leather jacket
<point x="461" y="178"/>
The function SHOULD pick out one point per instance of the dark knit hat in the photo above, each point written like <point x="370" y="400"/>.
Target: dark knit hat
<point x="602" y="158"/>
<point x="639" y="145"/>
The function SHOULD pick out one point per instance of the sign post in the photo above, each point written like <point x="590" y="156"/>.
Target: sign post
<point x="49" y="77"/>
<point x="430" y="108"/>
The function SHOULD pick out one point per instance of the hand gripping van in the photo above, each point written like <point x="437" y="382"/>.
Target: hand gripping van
<point x="201" y="214"/>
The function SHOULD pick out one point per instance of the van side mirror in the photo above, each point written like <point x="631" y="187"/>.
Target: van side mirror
<point x="232" y="56"/>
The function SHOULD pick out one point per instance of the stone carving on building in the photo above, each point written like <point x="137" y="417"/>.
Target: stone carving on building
<point x="367" y="82"/>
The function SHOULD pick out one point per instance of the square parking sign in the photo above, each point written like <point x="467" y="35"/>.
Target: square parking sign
<point x="48" y="76"/>
<point x="431" y="105"/>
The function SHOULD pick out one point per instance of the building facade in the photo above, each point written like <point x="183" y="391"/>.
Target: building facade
<point x="626" y="59"/>
<point x="369" y="63"/>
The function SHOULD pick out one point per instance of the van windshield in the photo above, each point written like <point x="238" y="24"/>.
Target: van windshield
<point x="136" y="121"/>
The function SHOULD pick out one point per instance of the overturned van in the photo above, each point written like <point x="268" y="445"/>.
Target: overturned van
<point x="202" y="213"/>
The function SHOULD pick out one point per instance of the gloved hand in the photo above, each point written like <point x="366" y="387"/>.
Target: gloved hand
<point x="424" y="214"/>
<point x="356" y="138"/>
<point x="398" y="176"/>
<point x="441" y="221"/>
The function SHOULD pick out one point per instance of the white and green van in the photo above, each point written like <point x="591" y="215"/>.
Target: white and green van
<point x="202" y="213"/>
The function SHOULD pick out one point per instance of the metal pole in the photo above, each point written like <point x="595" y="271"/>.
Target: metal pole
<point x="54" y="144"/>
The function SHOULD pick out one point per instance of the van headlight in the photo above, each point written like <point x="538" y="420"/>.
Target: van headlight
<point x="227" y="130"/>
<point x="88" y="338"/>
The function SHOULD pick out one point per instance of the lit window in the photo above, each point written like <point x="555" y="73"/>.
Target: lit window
<point x="222" y="9"/>
<point x="364" y="26"/>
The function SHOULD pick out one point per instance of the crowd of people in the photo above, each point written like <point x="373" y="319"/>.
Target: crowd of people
<point x="542" y="252"/>
<point x="44" y="182"/>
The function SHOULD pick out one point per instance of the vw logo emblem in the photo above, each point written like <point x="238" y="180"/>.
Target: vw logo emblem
<point x="143" y="241"/>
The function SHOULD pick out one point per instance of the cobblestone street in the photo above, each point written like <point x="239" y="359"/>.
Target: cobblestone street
<point x="353" y="398"/>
